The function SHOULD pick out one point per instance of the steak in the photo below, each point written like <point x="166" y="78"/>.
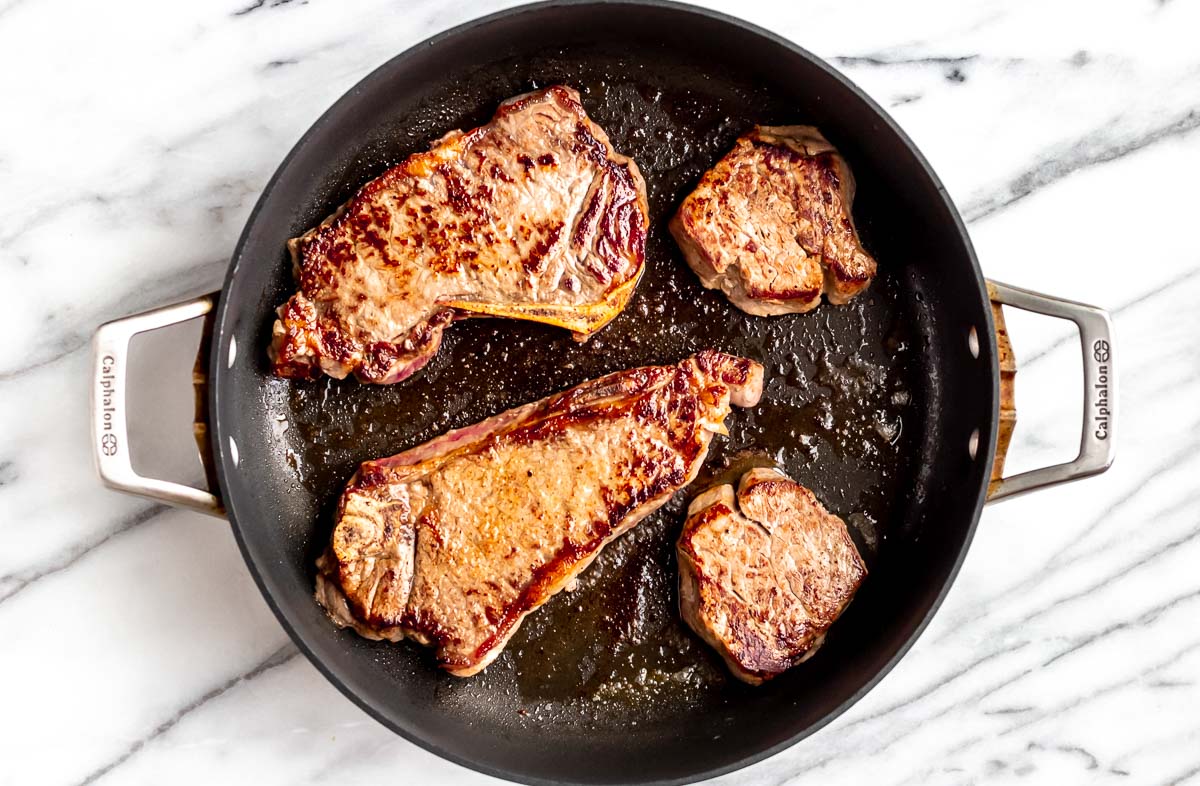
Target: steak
<point x="453" y="542"/>
<point x="532" y="216"/>
<point x="770" y="224"/>
<point x="762" y="576"/>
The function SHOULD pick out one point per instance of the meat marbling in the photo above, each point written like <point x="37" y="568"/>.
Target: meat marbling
<point x="533" y="216"/>
<point x="763" y="574"/>
<point x="770" y="224"/>
<point x="453" y="542"/>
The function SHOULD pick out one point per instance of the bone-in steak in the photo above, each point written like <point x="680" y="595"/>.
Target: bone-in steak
<point x="770" y="224"/>
<point x="764" y="574"/>
<point x="453" y="542"/>
<point x="532" y="216"/>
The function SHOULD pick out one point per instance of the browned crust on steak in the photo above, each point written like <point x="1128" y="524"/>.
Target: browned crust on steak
<point x="764" y="573"/>
<point x="771" y="224"/>
<point x="454" y="542"/>
<point x="533" y="216"/>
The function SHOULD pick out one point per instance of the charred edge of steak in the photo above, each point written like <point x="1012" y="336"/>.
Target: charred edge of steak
<point x="743" y="377"/>
<point x="304" y="346"/>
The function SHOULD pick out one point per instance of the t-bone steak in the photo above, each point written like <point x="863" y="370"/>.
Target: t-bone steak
<point x="453" y="542"/>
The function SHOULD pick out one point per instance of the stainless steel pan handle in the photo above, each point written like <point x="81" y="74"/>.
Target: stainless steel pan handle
<point x="110" y="433"/>
<point x="1097" y="443"/>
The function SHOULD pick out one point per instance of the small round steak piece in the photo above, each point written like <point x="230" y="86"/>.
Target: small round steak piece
<point x="771" y="226"/>
<point x="764" y="572"/>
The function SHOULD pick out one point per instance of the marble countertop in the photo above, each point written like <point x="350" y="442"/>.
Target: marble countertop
<point x="135" y="137"/>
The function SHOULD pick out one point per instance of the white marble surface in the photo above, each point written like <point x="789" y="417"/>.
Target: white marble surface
<point x="135" y="137"/>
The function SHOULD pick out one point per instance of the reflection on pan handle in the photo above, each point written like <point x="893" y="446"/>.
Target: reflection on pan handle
<point x="1097" y="444"/>
<point x="110" y="433"/>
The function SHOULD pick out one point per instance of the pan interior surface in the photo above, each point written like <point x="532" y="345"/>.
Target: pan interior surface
<point x="870" y="404"/>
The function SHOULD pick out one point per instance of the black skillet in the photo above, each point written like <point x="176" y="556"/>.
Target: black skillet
<point x="889" y="408"/>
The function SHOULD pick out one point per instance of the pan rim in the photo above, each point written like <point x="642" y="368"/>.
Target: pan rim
<point x="224" y="462"/>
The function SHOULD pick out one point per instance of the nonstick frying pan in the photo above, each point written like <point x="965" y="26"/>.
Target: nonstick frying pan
<point x="890" y="408"/>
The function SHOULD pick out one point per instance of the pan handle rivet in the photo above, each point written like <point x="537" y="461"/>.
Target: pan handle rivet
<point x="233" y="451"/>
<point x="973" y="443"/>
<point x="973" y="344"/>
<point x="233" y="351"/>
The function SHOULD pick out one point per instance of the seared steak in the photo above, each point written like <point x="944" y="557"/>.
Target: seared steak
<point x="453" y="542"/>
<point x="770" y="224"/>
<point x="532" y="216"/>
<point x="763" y="576"/>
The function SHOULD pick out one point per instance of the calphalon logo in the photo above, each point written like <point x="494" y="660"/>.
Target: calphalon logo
<point x="108" y="382"/>
<point x="1100" y="353"/>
